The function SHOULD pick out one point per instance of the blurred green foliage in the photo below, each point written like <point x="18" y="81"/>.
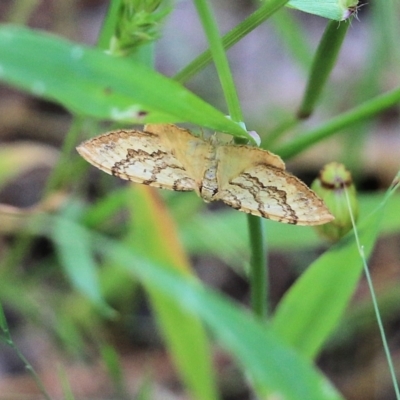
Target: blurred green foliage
<point x="128" y="236"/>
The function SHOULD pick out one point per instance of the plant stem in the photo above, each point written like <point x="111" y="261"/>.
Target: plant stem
<point x="324" y="60"/>
<point x="232" y="37"/>
<point x="358" y="114"/>
<point x="278" y="132"/>
<point x="322" y="65"/>
<point x="220" y="59"/>
<point x="109" y="25"/>
<point x="9" y="341"/>
<point x="61" y="171"/>
<point x="395" y="185"/>
<point x="259" y="281"/>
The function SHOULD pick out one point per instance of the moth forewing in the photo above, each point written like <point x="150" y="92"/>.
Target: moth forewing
<point x="138" y="157"/>
<point x="106" y="150"/>
<point x="273" y="193"/>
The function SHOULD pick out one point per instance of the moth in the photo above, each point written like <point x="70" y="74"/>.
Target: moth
<point x="246" y="178"/>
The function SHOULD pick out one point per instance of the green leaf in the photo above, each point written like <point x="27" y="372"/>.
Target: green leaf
<point x="65" y="385"/>
<point x="3" y="322"/>
<point x="272" y="366"/>
<point x="90" y="82"/>
<point x="114" y="368"/>
<point x="158" y="240"/>
<point x="74" y="249"/>
<point x="338" y="10"/>
<point x="313" y="306"/>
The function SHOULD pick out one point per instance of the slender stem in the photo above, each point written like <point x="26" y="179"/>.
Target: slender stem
<point x="381" y="328"/>
<point x="373" y="295"/>
<point x="322" y="65"/>
<point x="278" y="132"/>
<point x="285" y="24"/>
<point x="232" y="37"/>
<point x="219" y="58"/>
<point x="259" y="282"/>
<point x="66" y="387"/>
<point x="324" y="60"/>
<point x="32" y="371"/>
<point x="358" y="114"/>
<point x="109" y="25"/>
<point x="61" y="171"/>
<point x="9" y="341"/>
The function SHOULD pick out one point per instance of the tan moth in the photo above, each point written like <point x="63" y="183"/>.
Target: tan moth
<point x="246" y="178"/>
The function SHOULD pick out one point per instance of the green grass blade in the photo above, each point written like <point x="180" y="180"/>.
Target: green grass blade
<point x="90" y="82"/>
<point x="324" y="61"/>
<point x="3" y="321"/>
<point x="65" y="384"/>
<point x="114" y="368"/>
<point x="109" y="24"/>
<point x="358" y="114"/>
<point x="154" y="234"/>
<point x="74" y="249"/>
<point x="272" y="366"/>
<point x="220" y="59"/>
<point x="235" y="35"/>
<point x="285" y="24"/>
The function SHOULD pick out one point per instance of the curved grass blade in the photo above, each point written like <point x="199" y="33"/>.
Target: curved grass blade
<point x="90" y="82"/>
